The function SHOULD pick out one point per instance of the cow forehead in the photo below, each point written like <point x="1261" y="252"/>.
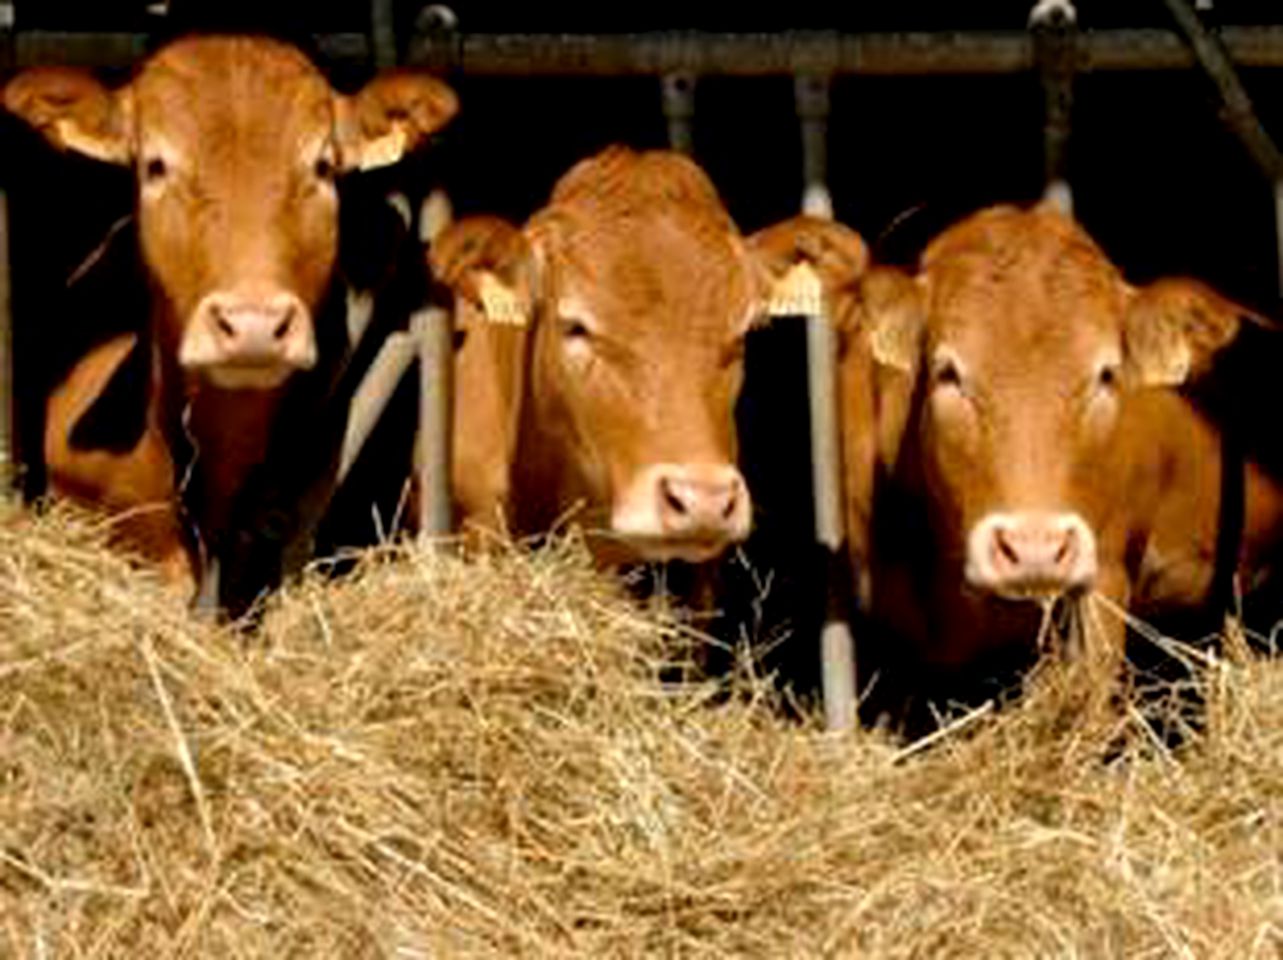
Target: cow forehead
<point x="199" y="89"/>
<point x="1024" y="287"/>
<point x="653" y="271"/>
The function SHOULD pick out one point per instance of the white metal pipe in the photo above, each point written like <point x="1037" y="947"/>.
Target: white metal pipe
<point x="837" y="647"/>
<point x="372" y="396"/>
<point x="433" y="330"/>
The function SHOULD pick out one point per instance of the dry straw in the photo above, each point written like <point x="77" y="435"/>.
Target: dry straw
<point x="434" y="758"/>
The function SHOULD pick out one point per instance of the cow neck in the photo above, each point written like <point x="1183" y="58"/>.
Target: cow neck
<point x="228" y="432"/>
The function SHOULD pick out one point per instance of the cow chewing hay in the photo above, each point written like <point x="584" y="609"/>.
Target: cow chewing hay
<point x="434" y="758"/>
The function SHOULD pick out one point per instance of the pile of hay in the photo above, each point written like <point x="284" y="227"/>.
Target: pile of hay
<point x="435" y="758"/>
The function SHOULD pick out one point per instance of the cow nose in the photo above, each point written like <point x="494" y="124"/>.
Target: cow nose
<point x="232" y="330"/>
<point x="692" y="511"/>
<point x="250" y="327"/>
<point x="1031" y="553"/>
<point x="688" y="498"/>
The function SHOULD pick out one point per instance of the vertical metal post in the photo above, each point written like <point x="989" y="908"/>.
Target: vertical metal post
<point x="679" y="110"/>
<point x="8" y="410"/>
<point x="434" y="329"/>
<point x="1239" y="113"/>
<point x="1054" y="25"/>
<point x="837" y="648"/>
<point x="8" y="436"/>
<point x="1278" y="231"/>
<point x="383" y="33"/>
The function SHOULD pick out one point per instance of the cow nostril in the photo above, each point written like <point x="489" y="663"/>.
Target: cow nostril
<point x="1066" y="548"/>
<point x="224" y="325"/>
<point x="732" y="499"/>
<point x="1005" y="548"/>
<point x="283" y="327"/>
<point x="671" y="500"/>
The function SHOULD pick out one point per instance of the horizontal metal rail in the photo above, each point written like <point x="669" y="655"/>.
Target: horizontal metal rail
<point x="738" y="54"/>
<point x="791" y="53"/>
<point x="34" y="48"/>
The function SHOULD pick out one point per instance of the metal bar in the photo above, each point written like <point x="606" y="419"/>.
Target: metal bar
<point x="372" y="396"/>
<point x="8" y="435"/>
<point x="679" y="110"/>
<point x="207" y="603"/>
<point x="745" y="54"/>
<point x="383" y="33"/>
<point x="33" y="48"/>
<point x="837" y="647"/>
<point x="1216" y="60"/>
<point x="433" y="328"/>
<point x="1278" y="229"/>
<point x="790" y="53"/>
<point x="811" y="96"/>
<point x="1054" y="28"/>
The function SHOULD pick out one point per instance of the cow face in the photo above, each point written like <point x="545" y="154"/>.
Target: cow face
<point x="1027" y="346"/>
<point x="236" y="143"/>
<point x="641" y="292"/>
<point x="641" y="361"/>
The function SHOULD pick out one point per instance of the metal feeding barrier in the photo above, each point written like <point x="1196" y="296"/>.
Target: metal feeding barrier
<point x="1052" y="45"/>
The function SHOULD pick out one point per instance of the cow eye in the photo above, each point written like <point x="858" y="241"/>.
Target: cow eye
<point x="575" y="330"/>
<point x="323" y="168"/>
<point x="155" y="169"/>
<point x="1107" y="378"/>
<point x="948" y="375"/>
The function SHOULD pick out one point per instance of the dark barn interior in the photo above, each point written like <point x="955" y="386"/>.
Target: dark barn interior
<point x="1158" y="179"/>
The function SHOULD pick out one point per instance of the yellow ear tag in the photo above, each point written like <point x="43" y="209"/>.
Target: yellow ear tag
<point x="798" y="293"/>
<point x="499" y="303"/>
<point x="386" y="150"/>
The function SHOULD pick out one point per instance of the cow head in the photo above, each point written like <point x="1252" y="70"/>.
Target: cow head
<point x="236" y="143"/>
<point x="1028" y="348"/>
<point x="640" y="292"/>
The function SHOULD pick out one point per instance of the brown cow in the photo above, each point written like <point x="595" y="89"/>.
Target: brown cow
<point x="602" y="358"/>
<point x="1014" y="432"/>
<point x="236" y="143"/>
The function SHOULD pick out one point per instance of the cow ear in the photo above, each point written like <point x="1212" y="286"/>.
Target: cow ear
<point x="489" y="263"/>
<point x="808" y="262"/>
<point x="1175" y="327"/>
<point x="893" y="310"/>
<point x="74" y="111"/>
<point x="389" y="117"/>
